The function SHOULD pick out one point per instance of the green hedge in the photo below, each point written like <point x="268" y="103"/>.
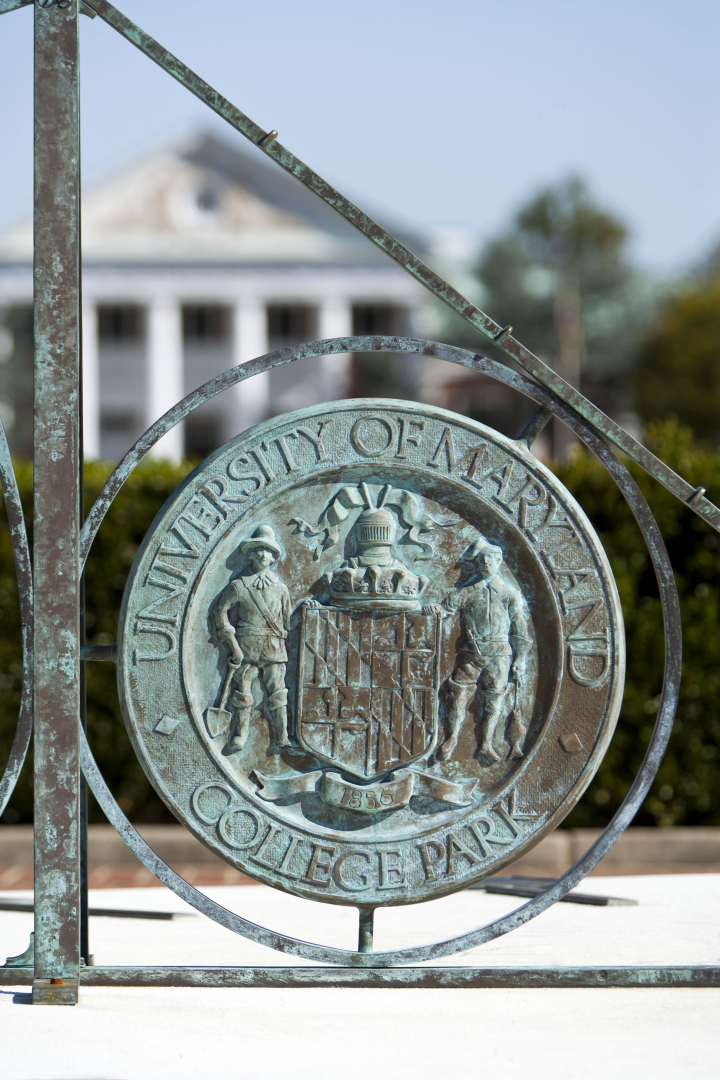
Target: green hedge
<point x="687" y="790"/>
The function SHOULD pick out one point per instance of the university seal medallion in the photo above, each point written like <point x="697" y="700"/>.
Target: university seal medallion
<point x="371" y="652"/>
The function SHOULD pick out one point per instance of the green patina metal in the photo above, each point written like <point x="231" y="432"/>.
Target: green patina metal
<point x="57" y="462"/>
<point x="665" y="712"/>
<point x="356" y="766"/>
<point x="23" y="570"/>
<point x="501" y="337"/>
<point x="400" y="978"/>
<point x="60" y="550"/>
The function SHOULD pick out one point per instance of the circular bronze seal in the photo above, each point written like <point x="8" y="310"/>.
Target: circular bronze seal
<point x="371" y="652"/>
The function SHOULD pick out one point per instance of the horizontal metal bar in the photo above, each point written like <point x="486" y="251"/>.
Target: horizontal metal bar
<point x="98" y="652"/>
<point x="404" y="978"/>
<point x="500" y="336"/>
<point x="112" y="913"/>
<point x="529" y="888"/>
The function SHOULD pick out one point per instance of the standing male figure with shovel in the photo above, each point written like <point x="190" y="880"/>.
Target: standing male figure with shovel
<point x="252" y="616"/>
<point x="496" y="646"/>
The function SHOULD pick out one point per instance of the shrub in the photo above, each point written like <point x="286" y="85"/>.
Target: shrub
<point x="120" y="535"/>
<point x="687" y="789"/>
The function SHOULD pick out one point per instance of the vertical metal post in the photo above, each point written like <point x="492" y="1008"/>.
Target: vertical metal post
<point x="366" y="929"/>
<point x="84" y="868"/>
<point x="84" y="808"/>
<point x="56" y="503"/>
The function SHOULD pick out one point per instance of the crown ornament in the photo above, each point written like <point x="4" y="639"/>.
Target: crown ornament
<point x="376" y="580"/>
<point x="381" y="588"/>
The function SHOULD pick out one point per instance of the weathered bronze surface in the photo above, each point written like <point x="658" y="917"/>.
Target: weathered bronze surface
<point x="478" y="780"/>
<point x="57" y="460"/>
<point x="371" y="652"/>
<point x="400" y="978"/>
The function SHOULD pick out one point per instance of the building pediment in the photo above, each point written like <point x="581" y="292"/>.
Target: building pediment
<point x="204" y="200"/>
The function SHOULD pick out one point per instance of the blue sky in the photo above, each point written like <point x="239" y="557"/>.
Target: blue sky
<point x="440" y="113"/>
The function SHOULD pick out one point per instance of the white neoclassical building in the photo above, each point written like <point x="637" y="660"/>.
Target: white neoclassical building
<point x="199" y="257"/>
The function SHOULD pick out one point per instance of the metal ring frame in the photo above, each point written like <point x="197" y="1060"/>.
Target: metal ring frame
<point x="57" y="364"/>
<point x="671" y="682"/>
<point x="23" y="570"/>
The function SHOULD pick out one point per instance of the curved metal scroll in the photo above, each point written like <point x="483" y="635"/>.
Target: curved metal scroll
<point x="663" y="724"/>
<point x="23" y="569"/>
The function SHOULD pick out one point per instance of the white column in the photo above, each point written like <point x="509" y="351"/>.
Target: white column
<point x="165" y="381"/>
<point x="334" y="319"/>
<point x="91" y="381"/>
<point x="250" y="340"/>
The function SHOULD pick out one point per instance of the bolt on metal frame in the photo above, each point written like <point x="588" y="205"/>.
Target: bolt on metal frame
<point x="54" y="698"/>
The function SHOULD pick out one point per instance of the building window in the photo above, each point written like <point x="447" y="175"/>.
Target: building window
<point x="119" y="423"/>
<point x="120" y="324"/>
<point x="290" y="324"/>
<point x="205" y="322"/>
<point x="202" y="436"/>
<point x="375" y="319"/>
<point x="379" y="374"/>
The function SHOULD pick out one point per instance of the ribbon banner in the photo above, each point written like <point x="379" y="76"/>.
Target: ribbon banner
<point x="367" y="798"/>
<point x="372" y="799"/>
<point x="352" y="498"/>
<point x="273" y="788"/>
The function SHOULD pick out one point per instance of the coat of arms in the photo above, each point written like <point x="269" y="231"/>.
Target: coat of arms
<point x="392" y="694"/>
<point x="369" y="660"/>
<point x="368" y="688"/>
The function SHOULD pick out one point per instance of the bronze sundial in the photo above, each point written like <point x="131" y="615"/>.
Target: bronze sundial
<point x="371" y="652"/>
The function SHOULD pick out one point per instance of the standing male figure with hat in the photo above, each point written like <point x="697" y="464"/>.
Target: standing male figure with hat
<point x="252" y="616"/>
<point x="496" y="645"/>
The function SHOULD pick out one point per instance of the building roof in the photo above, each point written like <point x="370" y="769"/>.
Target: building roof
<point x="204" y="200"/>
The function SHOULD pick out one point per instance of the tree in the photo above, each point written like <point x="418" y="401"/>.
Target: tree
<point x="560" y="276"/>
<point x="679" y="364"/>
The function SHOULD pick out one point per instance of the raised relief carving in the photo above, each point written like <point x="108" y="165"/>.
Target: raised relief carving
<point x="371" y="649"/>
<point x="251" y="617"/>
<point x="496" y="646"/>
<point x="368" y="672"/>
<point x="166" y="726"/>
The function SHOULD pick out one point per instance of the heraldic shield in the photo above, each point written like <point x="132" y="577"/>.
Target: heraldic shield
<point x="368" y="688"/>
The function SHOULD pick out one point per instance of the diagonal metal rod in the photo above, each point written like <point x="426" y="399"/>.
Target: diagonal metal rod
<point x="11" y="5"/>
<point x="502" y="338"/>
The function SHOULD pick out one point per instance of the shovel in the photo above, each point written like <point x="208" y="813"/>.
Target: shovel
<point x="218" y="720"/>
<point x="516" y="730"/>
